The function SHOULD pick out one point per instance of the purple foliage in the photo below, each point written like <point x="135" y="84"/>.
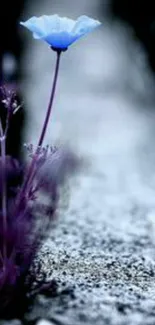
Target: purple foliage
<point x="25" y="219"/>
<point x="28" y="219"/>
<point x="25" y="232"/>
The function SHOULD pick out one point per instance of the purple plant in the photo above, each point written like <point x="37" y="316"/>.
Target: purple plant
<point x="21" y="228"/>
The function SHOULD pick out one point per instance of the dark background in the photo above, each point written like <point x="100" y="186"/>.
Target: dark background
<point x="140" y="15"/>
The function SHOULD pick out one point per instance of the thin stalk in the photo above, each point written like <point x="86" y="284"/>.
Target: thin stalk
<point x="9" y="113"/>
<point x="42" y="135"/>
<point x="4" y="190"/>
<point x="1" y="258"/>
<point x="49" y="109"/>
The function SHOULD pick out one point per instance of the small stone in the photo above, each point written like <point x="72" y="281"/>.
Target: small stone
<point x="44" y="322"/>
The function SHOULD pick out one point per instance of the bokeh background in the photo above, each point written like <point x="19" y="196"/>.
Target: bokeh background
<point x="105" y="104"/>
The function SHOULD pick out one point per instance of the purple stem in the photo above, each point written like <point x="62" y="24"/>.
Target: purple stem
<point x="9" y="113"/>
<point x="50" y="102"/>
<point x="41" y="139"/>
<point x="4" y="192"/>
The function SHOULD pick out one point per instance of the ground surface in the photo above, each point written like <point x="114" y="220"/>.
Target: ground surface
<point x="103" y="269"/>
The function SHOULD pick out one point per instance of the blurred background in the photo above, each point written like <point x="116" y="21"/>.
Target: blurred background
<point x="105" y="104"/>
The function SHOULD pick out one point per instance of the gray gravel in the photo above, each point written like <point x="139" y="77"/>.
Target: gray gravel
<point x="102" y="271"/>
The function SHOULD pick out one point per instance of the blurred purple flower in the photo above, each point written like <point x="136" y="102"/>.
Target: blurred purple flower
<point x="60" y="32"/>
<point x="30" y="223"/>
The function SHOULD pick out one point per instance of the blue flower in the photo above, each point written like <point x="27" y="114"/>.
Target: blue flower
<point x="60" y="32"/>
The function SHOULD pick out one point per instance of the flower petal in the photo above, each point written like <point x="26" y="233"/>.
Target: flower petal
<point x="60" y="32"/>
<point x="35" y="25"/>
<point x="85" y="25"/>
<point x="59" y="40"/>
<point x="59" y="24"/>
